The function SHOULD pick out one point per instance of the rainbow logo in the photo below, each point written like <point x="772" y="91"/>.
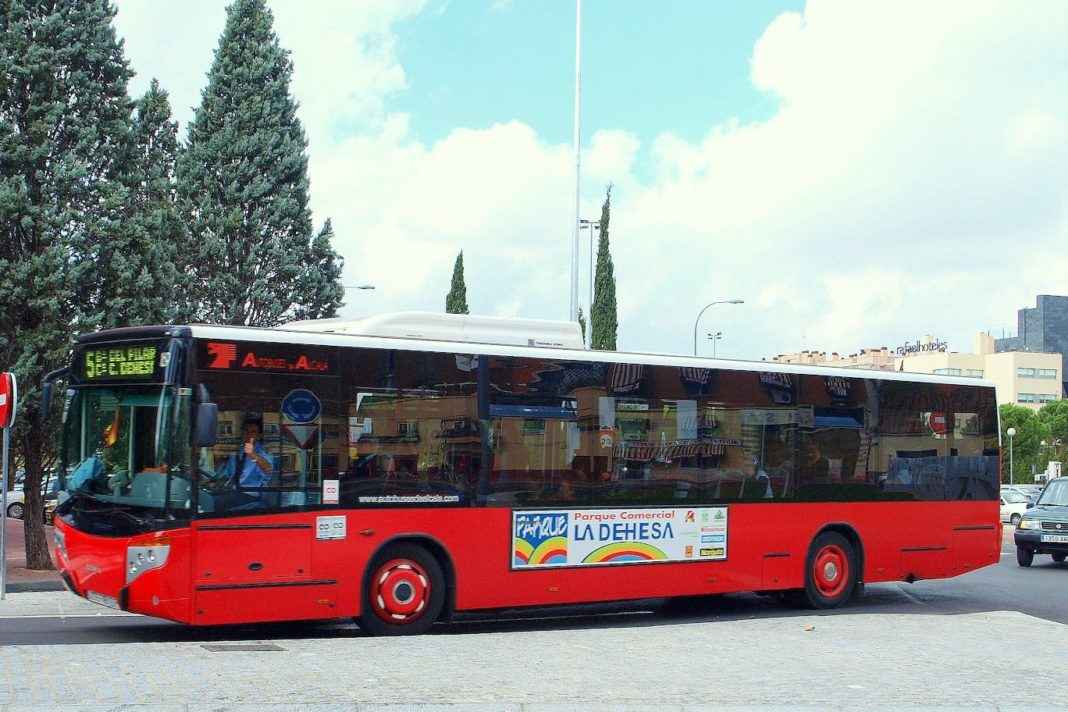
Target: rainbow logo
<point x="521" y="551"/>
<point x="551" y="551"/>
<point x="624" y="551"/>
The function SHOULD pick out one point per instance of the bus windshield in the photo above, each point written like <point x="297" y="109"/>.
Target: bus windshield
<point x="126" y="451"/>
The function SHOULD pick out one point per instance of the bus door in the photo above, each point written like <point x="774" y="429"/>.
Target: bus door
<point x="261" y="570"/>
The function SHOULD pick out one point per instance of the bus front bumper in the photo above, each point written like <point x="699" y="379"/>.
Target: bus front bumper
<point x="146" y="574"/>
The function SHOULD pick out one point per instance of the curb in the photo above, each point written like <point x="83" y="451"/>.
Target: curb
<point x="35" y="586"/>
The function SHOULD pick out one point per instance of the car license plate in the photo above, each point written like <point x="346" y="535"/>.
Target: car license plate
<point x="1055" y="538"/>
<point x="102" y="599"/>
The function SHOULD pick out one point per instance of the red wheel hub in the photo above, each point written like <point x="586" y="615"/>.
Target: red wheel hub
<point x="400" y="591"/>
<point x="830" y="570"/>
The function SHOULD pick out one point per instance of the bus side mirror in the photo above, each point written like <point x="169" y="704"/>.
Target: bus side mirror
<point x="46" y="390"/>
<point x="207" y="424"/>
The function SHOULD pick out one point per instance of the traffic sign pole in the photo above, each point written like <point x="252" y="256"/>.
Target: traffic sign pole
<point x="9" y="400"/>
<point x="3" y="520"/>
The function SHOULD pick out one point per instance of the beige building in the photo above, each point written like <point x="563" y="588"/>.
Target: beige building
<point x="1022" y="377"/>
<point x="876" y="359"/>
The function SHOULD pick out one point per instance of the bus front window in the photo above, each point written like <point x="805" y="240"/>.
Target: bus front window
<point x="124" y="447"/>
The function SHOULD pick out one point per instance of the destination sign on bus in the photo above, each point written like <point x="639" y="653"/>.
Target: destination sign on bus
<point x="120" y="362"/>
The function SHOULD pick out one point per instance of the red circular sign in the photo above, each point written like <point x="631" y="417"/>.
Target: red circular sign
<point x="9" y="395"/>
<point x="937" y="422"/>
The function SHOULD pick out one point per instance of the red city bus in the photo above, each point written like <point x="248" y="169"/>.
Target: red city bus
<point x="406" y="467"/>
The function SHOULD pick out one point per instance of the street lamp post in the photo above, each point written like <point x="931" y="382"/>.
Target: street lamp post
<point x="701" y="313"/>
<point x="1011" y="432"/>
<point x="578" y="160"/>
<point x="714" y="338"/>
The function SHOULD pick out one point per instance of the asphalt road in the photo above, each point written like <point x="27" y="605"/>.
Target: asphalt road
<point x="1036" y="591"/>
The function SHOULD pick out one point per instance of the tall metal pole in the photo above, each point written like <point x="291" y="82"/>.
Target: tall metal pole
<point x="1009" y="459"/>
<point x="3" y="517"/>
<point x="700" y="313"/>
<point x="578" y="161"/>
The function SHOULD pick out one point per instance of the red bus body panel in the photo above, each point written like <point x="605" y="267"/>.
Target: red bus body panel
<point x="273" y="567"/>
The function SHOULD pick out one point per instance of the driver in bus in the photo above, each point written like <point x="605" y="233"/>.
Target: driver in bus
<point x="254" y="463"/>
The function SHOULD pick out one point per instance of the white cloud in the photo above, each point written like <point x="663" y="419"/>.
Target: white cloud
<point x="912" y="181"/>
<point x="343" y="52"/>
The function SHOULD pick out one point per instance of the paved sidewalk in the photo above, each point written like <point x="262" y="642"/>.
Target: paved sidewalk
<point x="860" y="661"/>
<point x="515" y="707"/>
<point x="19" y="578"/>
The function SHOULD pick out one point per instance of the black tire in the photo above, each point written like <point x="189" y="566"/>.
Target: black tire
<point x="15" y="510"/>
<point x="1024" y="556"/>
<point x="1059" y="557"/>
<point x="403" y="592"/>
<point x="1015" y="520"/>
<point x="830" y="571"/>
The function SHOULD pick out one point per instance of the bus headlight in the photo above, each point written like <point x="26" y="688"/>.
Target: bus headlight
<point x="140" y="559"/>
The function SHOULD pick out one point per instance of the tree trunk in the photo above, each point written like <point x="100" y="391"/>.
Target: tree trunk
<point x="33" y="446"/>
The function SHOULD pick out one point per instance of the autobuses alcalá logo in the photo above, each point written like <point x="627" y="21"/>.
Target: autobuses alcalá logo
<point x="540" y="539"/>
<point x="266" y="357"/>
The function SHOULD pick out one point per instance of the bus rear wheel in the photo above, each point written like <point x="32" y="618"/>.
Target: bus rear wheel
<point x="404" y="592"/>
<point x="830" y="572"/>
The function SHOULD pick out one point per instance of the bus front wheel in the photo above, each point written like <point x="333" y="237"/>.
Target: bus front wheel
<point x="830" y="572"/>
<point x="404" y="592"/>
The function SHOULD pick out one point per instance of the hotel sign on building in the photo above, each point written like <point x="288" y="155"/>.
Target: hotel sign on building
<point x="928" y="345"/>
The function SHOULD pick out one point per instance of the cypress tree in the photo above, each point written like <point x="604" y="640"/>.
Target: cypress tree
<point x="137" y="267"/>
<point x="603" y="322"/>
<point x="64" y="132"/>
<point x="456" y="299"/>
<point x="322" y="291"/>
<point x="243" y="179"/>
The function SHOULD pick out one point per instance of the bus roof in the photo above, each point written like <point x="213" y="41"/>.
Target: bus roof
<point x="305" y="335"/>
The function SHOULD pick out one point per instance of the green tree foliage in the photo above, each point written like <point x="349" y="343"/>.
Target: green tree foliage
<point x="321" y="293"/>
<point x="456" y="299"/>
<point x="64" y="128"/>
<point x="243" y="179"/>
<point x="137" y="271"/>
<point x="603" y="321"/>
<point x="1055" y="417"/>
<point x="1026" y="444"/>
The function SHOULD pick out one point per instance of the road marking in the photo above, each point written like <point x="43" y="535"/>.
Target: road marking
<point x="71" y="615"/>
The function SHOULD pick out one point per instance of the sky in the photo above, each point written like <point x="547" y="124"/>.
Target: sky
<point x="859" y="173"/>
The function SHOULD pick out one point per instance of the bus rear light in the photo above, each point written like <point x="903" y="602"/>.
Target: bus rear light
<point x="140" y="559"/>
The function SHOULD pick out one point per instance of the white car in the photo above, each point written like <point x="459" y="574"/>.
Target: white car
<point x="16" y="504"/>
<point x="1013" y="506"/>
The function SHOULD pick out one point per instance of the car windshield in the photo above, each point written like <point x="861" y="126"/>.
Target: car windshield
<point x="1055" y="494"/>
<point x="1013" y="497"/>
<point x="123" y="447"/>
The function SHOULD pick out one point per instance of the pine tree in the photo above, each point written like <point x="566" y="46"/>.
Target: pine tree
<point x="64" y="128"/>
<point x="456" y="299"/>
<point x="243" y="179"/>
<point x="603" y="322"/>
<point x="322" y="290"/>
<point x="137" y="267"/>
